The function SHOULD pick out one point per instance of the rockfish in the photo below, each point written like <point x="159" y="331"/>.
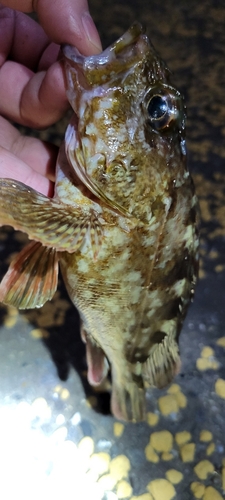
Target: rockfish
<point x="122" y="222"/>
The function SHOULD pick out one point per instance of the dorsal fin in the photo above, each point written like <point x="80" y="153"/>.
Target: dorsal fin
<point x="32" y="277"/>
<point x="162" y="364"/>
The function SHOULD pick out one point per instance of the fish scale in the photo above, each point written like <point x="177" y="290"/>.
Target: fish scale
<point x="122" y="223"/>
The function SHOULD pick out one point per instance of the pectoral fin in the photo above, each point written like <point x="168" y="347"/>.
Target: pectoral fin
<point x="32" y="277"/>
<point x="162" y="364"/>
<point x="46" y="220"/>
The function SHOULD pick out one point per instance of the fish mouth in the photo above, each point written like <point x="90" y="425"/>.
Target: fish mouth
<point x="103" y="67"/>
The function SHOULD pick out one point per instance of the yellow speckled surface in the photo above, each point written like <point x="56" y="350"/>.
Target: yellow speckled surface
<point x="220" y="387"/>
<point x="174" y="476"/>
<point x="205" y="435"/>
<point x="182" y="437"/>
<point x="161" y="488"/>
<point x="197" y="489"/>
<point x="221" y="341"/>
<point x="118" y="429"/>
<point x="64" y="440"/>
<point x="211" y="493"/>
<point x="124" y="489"/>
<point x="187" y="452"/>
<point x="210" y="449"/>
<point x="203" y="469"/>
<point x="152" y="419"/>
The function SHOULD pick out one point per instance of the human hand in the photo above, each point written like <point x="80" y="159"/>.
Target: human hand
<point x="32" y="87"/>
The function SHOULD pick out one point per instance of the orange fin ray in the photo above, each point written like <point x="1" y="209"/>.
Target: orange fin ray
<point x="32" y="277"/>
<point x="52" y="223"/>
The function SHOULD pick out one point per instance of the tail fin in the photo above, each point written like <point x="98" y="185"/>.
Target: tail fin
<point x="128" y="401"/>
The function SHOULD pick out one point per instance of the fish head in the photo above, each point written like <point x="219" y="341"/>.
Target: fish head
<point x="127" y="141"/>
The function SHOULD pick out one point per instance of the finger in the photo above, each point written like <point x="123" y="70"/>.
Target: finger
<point x="64" y="21"/>
<point x="36" y="100"/>
<point x="13" y="168"/>
<point x="39" y="155"/>
<point x="69" y="22"/>
<point x="16" y="87"/>
<point x="25" y="41"/>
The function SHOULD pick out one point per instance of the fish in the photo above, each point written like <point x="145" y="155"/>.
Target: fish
<point x="123" y="222"/>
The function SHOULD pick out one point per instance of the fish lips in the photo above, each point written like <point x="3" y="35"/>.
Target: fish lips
<point x="105" y="67"/>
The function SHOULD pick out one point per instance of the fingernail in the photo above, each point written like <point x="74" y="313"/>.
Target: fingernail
<point x="91" y="31"/>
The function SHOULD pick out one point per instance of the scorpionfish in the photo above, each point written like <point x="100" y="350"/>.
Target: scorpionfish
<point x="122" y="222"/>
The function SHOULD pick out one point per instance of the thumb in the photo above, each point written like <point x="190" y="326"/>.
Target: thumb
<point x="69" y="21"/>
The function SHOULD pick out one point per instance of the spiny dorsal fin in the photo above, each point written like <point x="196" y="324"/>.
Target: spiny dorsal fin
<point x="162" y="364"/>
<point x="46" y="220"/>
<point x="32" y="277"/>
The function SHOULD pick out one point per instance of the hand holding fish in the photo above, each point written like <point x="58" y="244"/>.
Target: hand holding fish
<point x="32" y="82"/>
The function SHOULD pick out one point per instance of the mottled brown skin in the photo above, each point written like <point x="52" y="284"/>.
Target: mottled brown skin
<point x="124" y="180"/>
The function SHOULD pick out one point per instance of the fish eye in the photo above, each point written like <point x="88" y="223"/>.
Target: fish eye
<point x="163" y="107"/>
<point x="157" y="107"/>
